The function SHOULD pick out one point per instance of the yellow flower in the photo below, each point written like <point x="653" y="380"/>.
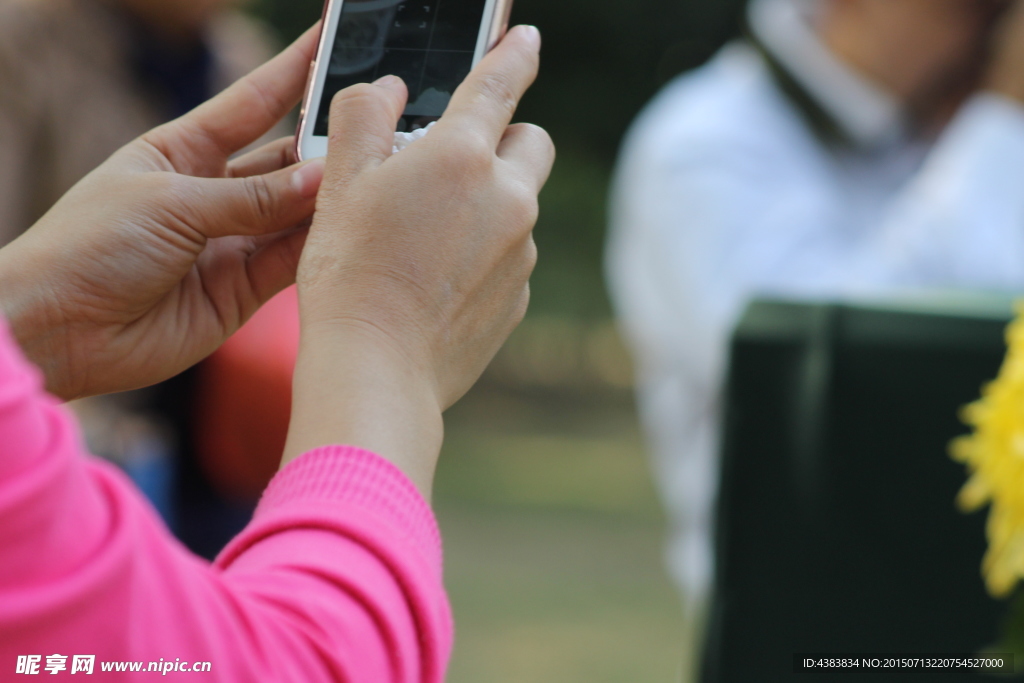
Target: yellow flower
<point x="994" y="456"/>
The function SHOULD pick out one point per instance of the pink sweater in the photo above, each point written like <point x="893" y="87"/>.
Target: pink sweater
<point x="337" y="578"/>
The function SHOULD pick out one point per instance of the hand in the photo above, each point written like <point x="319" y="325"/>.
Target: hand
<point x="154" y="259"/>
<point x="417" y="265"/>
<point x="1006" y="72"/>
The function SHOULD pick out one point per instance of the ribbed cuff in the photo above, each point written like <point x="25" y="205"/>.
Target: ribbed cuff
<point x="358" y="479"/>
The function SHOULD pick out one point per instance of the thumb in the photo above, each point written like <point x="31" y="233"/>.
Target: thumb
<point x="362" y="126"/>
<point x="256" y="205"/>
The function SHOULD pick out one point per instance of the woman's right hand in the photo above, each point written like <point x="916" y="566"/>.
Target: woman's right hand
<point x="417" y="266"/>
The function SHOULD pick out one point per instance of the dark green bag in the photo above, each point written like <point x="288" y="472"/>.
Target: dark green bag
<point x="837" y="530"/>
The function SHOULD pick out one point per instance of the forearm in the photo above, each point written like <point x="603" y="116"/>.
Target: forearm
<point x="344" y="541"/>
<point x="337" y="578"/>
<point x="353" y="387"/>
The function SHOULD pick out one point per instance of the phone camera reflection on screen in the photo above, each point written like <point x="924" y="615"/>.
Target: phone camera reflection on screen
<point x="429" y="44"/>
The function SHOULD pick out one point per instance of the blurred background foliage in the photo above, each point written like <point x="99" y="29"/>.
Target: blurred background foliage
<point x="552" y="530"/>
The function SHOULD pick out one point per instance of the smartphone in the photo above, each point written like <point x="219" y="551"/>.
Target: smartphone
<point x="431" y="44"/>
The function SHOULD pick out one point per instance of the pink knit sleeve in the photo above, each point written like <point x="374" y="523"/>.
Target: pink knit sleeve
<point x="337" y="578"/>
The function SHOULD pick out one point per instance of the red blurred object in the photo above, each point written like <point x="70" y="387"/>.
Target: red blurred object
<point x="244" y="400"/>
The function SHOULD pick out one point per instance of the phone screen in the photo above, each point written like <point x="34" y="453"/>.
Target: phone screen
<point x="430" y="44"/>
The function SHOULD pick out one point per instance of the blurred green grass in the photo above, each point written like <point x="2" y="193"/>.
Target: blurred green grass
<point x="553" y="542"/>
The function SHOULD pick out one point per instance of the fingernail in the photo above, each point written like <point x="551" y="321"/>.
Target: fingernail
<point x="531" y="34"/>
<point x="307" y="178"/>
<point x="387" y="81"/>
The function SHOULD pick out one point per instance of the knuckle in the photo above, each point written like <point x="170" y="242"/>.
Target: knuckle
<point x="271" y="101"/>
<point x="524" y="260"/>
<point x="356" y="96"/>
<point x="471" y="154"/>
<point x="522" y="306"/>
<point x="261" y="197"/>
<point x="542" y="137"/>
<point x="499" y="87"/>
<point x="531" y="255"/>
<point x="179" y="199"/>
<point x="355" y="92"/>
<point x="534" y="131"/>
<point x="538" y="142"/>
<point x="525" y="207"/>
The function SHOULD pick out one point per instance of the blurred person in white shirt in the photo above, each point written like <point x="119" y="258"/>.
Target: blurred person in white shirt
<point x="845" y="148"/>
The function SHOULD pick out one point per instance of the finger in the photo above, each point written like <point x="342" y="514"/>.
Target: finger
<point x="245" y="111"/>
<point x="274" y="265"/>
<point x="529" y="148"/>
<point x="240" y="274"/>
<point x="271" y="157"/>
<point x="362" y="126"/>
<point x="487" y="99"/>
<point x="255" y="205"/>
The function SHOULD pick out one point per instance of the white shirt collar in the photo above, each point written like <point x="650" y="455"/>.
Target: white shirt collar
<point x="869" y="115"/>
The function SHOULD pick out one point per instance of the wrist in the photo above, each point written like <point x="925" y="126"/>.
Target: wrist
<point x="355" y="387"/>
<point x="30" y="315"/>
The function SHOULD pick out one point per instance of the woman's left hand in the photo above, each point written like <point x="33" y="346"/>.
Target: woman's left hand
<point x="147" y="265"/>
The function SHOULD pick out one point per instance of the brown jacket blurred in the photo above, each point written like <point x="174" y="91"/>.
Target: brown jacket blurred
<point x="69" y="96"/>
